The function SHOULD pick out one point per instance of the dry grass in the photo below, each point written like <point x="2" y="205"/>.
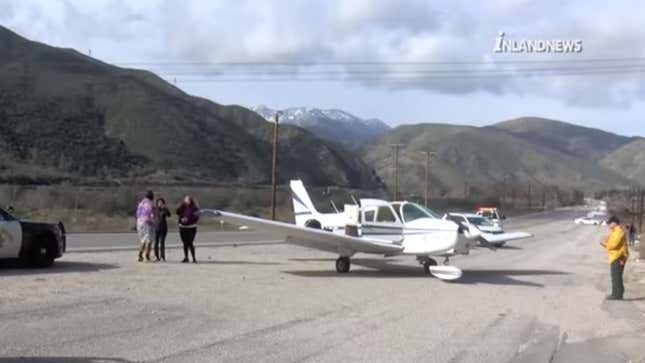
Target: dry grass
<point x="111" y="209"/>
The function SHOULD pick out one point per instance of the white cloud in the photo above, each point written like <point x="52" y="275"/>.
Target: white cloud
<point x="345" y="31"/>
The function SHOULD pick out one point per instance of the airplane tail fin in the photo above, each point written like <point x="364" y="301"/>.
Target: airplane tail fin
<point x="303" y="207"/>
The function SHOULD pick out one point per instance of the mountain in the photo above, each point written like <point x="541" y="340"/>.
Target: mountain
<point x="477" y="158"/>
<point x="64" y="115"/>
<point x="332" y="125"/>
<point x="571" y="139"/>
<point x="629" y="160"/>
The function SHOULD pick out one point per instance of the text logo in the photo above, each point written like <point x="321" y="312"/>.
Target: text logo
<point x="505" y="45"/>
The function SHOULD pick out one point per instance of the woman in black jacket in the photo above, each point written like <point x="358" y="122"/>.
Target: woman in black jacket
<point x="161" y="231"/>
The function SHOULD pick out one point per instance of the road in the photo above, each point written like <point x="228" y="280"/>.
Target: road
<point x="539" y="300"/>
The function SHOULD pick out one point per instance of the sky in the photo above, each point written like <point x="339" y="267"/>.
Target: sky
<point x="403" y="61"/>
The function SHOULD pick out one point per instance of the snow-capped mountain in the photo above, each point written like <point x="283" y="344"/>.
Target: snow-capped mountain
<point x="333" y="125"/>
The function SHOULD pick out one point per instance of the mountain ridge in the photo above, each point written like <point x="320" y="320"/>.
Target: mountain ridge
<point x="333" y="125"/>
<point x="148" y="126"/>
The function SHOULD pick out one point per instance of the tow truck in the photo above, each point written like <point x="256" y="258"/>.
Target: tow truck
<point x="493" y="214"/>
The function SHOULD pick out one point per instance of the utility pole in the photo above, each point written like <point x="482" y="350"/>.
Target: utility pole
<point x="396" y="170"/>
<point x="631" y="204"/>
<point x="274" y="164"/>
<point x="529" y="198"/>
<point x="429" y="155"/>
<point x="640" y="209"/>
<point x="504" y="192"/>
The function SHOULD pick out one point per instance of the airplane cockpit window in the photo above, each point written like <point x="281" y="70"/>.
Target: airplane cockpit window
<point x="369" y="215"/>
<point x="412" y="212"/>
<point x="385" y="215"/>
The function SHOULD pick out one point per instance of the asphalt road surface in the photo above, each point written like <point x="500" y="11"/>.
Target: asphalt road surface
<point x="538" y="300"/>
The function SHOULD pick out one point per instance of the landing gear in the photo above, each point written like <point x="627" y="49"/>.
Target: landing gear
<point x="343" y="264"/>
<point x="427" y="263"/>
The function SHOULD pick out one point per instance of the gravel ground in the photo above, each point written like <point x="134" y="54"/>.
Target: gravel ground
<point x="539" y="300"/>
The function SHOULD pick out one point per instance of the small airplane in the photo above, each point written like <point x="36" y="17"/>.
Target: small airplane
<point x="372" y="226"/>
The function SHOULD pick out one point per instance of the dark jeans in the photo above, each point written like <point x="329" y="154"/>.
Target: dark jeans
<point x="616" y="271"/>
<point x="188" y="238"/>
<point x="160" y="244"/>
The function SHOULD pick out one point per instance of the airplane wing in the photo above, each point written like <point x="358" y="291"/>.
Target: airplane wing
<point x="504" y="237"/>
<point x="309" y="237"/>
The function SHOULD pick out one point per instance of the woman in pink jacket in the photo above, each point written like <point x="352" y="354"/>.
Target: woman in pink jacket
<point x="145" y="224"/>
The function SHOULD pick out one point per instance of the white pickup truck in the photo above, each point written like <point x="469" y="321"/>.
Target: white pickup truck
<point x="37" y="244"/>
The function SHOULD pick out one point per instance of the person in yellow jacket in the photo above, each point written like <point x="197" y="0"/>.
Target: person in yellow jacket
<point x="616" y="245"/>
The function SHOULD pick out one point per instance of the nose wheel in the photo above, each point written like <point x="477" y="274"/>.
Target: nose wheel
<point x="343" y="264"/>
<point x="427" y="263"/>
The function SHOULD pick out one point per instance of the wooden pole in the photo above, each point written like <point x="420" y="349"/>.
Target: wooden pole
<point x="396" y="171"/>
<point x="274" y="164"/>
<point x="640" y="210"/>
<point x="427" y="181"/>
<point x="529" y="196"/>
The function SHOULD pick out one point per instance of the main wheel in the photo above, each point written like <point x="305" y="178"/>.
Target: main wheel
<point x="343" y="264"/>
<point x="427" y="263"/>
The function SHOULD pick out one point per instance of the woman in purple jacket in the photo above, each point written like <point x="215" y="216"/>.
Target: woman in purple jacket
<point x="188" y="218"/>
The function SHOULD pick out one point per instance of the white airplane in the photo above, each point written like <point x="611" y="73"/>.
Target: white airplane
<point x="374" y="227"/>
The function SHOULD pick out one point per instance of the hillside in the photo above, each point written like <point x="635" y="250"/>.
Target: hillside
<point x="473" y="157"/>
<point x="572" y="139"/>
<point x="336" y="126"/>
<point x="628" y="160"/>
<point x="68" y="116"/>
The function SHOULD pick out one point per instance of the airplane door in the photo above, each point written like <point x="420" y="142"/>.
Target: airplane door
<point x="382" y="223"/>
<point x="10" y="237"/>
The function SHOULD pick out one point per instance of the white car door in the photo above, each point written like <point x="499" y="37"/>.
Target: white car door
<point x="10" y="236"/>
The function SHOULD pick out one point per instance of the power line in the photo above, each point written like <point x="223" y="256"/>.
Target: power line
<point x="343" y="63"/>
<point x="405" y="72"/>
<point x="416" y="78"/>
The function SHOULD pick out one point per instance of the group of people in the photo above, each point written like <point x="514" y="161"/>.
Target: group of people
<point x="152" y="226"/>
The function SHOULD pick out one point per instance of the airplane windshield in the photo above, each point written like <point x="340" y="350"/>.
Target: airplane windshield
<point x="480" y="221"/>
<point x="413" y="211"/>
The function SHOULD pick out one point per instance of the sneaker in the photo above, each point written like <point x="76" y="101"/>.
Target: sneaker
<point x="194" y="261"/>
<point x="185" y="260"/>
<point x="611" y="297"/>
<point x="140" y="259"/>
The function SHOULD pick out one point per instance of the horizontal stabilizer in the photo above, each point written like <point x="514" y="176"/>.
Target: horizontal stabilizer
<point x="504" y="237"/>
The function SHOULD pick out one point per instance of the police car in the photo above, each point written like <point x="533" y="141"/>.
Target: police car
<point x="37" y="244"/>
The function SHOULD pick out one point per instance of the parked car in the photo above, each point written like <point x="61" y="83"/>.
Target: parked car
<point x="588" y="221"/>
<point x="476" y="221"/>
<point x="37" y="244"/>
